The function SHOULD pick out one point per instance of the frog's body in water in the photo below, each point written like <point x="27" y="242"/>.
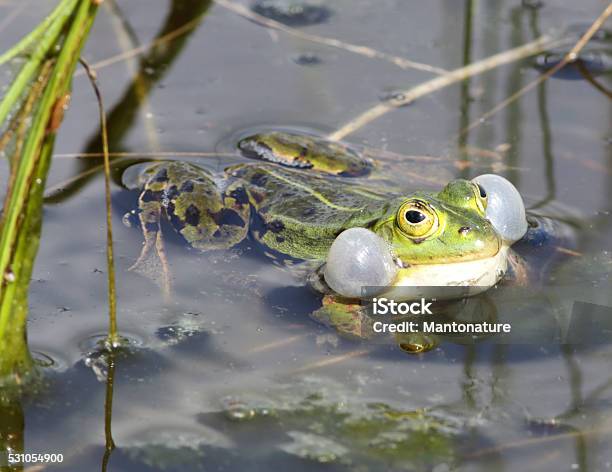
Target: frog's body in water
<point x="298" y="210"/>
<point x="295" y="199"/>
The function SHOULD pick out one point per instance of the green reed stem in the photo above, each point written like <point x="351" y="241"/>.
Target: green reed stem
<point x="21" y="219"/>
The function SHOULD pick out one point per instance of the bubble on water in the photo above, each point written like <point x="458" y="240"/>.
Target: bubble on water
<point x="393" y="97"/>
<point x="241" y="409"/>
<point x="307" y="59"/>
<point x="292" y="12"/>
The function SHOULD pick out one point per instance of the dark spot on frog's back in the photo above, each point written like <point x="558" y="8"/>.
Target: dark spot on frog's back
<point x="192" y="215"/>
<point x="187" y="186"/>
<point x="171" y="193"/>
<point x="275" y="226"/>
<point x="259" y="179"/>
<point x="227" y="217"/>
<point x="150" y="196"/>
<point x="240" y="195"/>
<point x="161" y="176"/>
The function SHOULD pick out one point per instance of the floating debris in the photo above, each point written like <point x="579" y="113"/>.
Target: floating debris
<point x="595" y="59"/>
<point x="393" y="97"/>
<point x="532" y="4"/>
<point x="307" y="59"/>
<point x="593" y="62"/>
<point x="292" y="12"/>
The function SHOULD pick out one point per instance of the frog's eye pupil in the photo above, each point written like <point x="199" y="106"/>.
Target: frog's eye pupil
<point x="483" y="193"/>
<point x="414" y="216"/>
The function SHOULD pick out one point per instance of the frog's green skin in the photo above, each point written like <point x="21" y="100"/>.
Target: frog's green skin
<point x="298" y="212"/>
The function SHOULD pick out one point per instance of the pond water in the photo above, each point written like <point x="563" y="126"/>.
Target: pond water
<point x="232" y="373"/>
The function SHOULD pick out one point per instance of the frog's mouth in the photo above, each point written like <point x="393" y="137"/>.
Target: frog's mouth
<point x="449" y="280"/>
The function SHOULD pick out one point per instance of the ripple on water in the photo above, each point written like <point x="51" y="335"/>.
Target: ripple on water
<point x="99" y="342"/>
<point x="49" y="361"/>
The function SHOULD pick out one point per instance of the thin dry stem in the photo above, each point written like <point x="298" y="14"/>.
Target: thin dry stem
<point x="275" y="344"/>
<point x="331" y="42"/>
<point x="425" y="88"/>
<point x="165" y="154"/>
<point x="332" y="360"/>
<point x="145" y="47"/>
<point x="571" y="56"/>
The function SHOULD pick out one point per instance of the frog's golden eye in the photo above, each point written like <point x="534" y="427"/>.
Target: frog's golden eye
<point x="481" y="197"/>
<point x="416" y="219"/>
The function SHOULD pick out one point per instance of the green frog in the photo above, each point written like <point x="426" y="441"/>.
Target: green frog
<point x="296" y="194"/>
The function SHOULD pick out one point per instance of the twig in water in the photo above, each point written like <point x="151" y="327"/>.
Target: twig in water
<point x="425" y="88"/>
<point x="571" y="56"/>
<point x="332" y="42"/>
<point x="332" y="360"/>
<point x="145" y="47"/>
<point x="148" y="155"/>
<point x="592" y="80"/>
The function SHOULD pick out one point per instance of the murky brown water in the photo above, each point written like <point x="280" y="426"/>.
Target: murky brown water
<point x="233" y="373"/>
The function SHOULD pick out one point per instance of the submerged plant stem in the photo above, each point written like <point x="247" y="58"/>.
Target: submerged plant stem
<point x="109" y="442"/>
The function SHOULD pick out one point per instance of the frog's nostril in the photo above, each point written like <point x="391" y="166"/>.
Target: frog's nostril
<point x="464" y="230"/>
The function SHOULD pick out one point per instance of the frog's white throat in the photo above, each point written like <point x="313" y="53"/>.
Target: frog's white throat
<point x="437" y="280"/>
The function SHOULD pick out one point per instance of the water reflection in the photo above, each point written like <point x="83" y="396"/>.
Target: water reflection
<point x="12" y="428"/>
<point x="183" y="16"/>
<point x="109" y="442"/>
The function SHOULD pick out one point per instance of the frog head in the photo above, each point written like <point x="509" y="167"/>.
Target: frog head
<point x="444" y="240"/>
<point x="441" y="228"/>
